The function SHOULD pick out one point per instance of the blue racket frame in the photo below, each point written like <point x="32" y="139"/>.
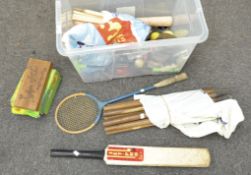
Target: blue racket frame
<point x="101" y="104"/>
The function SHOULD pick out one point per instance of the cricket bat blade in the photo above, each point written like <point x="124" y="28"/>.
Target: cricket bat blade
<point x="157" y="156"/>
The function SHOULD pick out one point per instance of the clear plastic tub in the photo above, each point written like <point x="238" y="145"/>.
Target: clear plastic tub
<point x="102" y="63"/>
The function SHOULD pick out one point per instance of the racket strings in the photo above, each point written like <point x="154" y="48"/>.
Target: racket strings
<point x="77" y="113"/>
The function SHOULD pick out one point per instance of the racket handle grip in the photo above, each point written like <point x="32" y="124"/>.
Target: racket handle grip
<point x="172" y="80"/>
<point x="77" y="154"/>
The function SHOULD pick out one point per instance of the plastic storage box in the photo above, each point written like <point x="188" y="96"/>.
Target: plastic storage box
<point x="100" y="63"/>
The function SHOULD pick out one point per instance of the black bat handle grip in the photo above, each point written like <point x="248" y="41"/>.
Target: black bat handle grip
<point x="77" y="154"/>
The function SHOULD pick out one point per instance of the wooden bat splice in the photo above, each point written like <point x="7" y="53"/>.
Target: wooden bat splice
<point x="122" y="105"/>
<point x="134" y="127"/>
<point x="125" y="119"/>
<point x="135" y="124"/>
<point x="123" y="111"/>
<point x="143" y="156"/>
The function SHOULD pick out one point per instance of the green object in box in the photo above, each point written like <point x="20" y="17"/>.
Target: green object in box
<point x="53" y="83"/>
<point x="170" y="69"/>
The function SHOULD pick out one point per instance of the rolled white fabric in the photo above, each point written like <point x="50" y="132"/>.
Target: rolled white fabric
<point x="194" y="113"/>
<point x="156" y="109"/>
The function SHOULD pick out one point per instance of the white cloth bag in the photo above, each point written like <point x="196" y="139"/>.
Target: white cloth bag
<point x="194" y="113"/>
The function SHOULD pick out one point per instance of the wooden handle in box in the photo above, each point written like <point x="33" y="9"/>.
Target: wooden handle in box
<point x="163" y="21"/>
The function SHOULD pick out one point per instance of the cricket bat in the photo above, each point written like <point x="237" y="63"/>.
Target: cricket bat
<point x="143" y="156"/>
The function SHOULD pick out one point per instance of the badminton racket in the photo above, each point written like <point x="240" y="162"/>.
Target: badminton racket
<point x="80" y="112"/>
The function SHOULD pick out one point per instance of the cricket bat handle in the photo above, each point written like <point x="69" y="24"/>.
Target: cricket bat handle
<point x="172" y="80"/>
<point x="77" y="154"/>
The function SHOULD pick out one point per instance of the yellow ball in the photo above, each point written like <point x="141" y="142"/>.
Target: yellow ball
<point x="155" y="36"/>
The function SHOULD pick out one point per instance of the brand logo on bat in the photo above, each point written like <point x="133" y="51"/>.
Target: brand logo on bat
<point x="125" y="153"/>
